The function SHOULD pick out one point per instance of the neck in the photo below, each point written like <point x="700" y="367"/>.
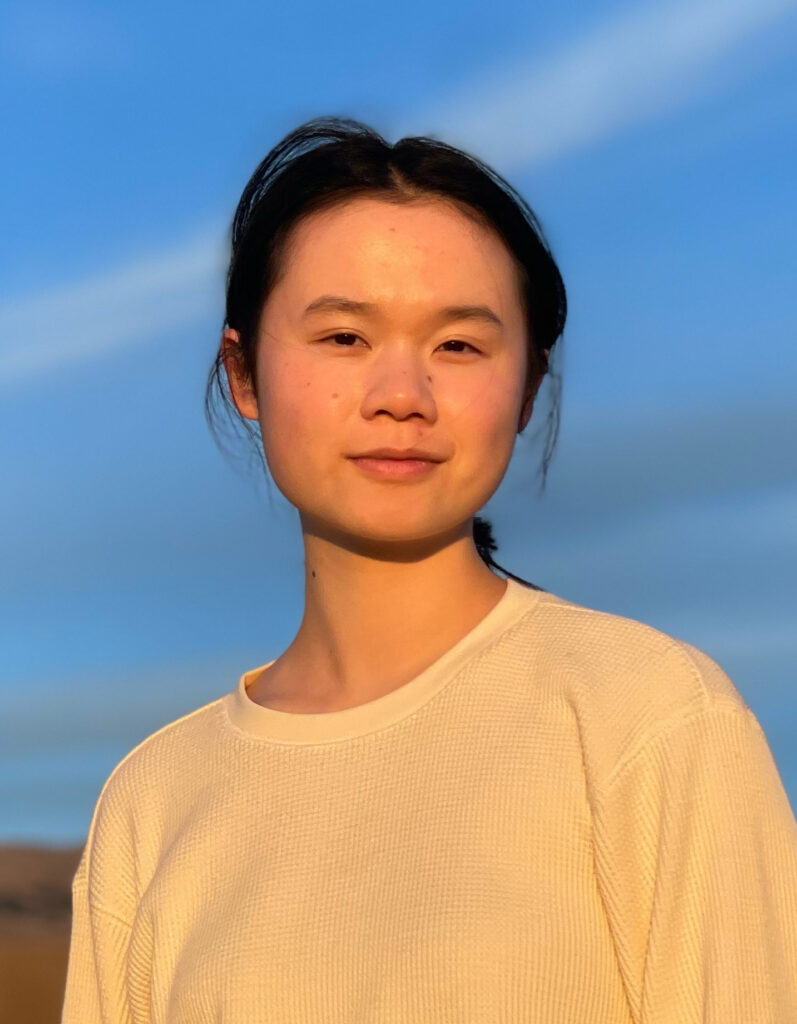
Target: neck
<point x="371" y="623"/>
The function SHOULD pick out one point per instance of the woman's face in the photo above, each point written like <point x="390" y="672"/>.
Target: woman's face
<point x="333" y="383"/>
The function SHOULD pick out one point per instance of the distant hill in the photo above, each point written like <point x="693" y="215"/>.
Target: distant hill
<point x="35" y="923"/>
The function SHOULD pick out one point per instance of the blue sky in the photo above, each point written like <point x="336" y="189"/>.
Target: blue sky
<point x="142" y="572"/>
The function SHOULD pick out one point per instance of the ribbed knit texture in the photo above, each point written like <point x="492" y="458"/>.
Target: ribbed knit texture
<point x="569" y="818"/>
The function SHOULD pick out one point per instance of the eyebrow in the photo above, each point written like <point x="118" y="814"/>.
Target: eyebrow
<point x="340" y="304"/>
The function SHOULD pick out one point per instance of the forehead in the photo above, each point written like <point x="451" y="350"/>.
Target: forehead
<point x="387" y="249"/>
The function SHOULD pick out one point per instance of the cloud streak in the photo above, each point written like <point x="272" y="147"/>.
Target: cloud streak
<point x="165" y="290"/>
<point x="637" y="65"/>
<point x="641" y="63"/>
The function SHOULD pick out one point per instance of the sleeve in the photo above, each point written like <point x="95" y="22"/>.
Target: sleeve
<point x="696" y="859"/>
<point x="95" y="978"/>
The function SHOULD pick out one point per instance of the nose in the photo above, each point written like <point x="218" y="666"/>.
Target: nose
<point x="401" y="385"/>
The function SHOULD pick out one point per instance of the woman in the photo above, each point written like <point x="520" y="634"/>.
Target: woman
<point x="455" y="796"/>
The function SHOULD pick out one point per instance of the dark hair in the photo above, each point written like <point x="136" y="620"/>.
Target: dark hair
<point x="329" y="160"/>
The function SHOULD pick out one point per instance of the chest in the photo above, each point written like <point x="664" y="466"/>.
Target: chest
<point x="429" y="895"/>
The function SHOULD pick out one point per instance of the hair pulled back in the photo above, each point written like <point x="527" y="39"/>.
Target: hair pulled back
<point x="330" y="160"/>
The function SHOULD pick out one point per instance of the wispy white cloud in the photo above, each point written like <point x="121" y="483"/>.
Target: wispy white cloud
<point x="640" y="63"/>
<point x="173" y="288"/>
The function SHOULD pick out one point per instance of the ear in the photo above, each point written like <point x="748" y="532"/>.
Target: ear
<point x="528" y="406"/>
<point x="528" y="402"/>
<point x="240" y="384"/>
<point x="525" y="412"/>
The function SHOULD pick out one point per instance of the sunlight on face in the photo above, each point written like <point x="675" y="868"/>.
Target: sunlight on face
<point x="334" y="383"/>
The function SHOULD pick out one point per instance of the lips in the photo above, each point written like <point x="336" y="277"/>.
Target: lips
<point x="395" y="469"/>
<point x="399" y="454"/>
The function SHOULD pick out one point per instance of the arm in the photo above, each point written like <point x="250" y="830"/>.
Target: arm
<point x="696" y="856"/>
<point x="95" y="981"/>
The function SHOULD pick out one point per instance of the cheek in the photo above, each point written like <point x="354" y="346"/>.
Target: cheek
<point x="297" y="408"/>
<point x="485" y="411"/>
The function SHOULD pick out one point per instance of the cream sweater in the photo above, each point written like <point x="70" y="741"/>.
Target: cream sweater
<point x="571" y="817"/>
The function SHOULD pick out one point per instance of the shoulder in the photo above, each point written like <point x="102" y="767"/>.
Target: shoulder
<point x="136" y="803"/>
<point x="162" y="753"/>
<point x="624" y="679"/>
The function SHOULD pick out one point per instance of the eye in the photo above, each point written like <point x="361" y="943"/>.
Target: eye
<point x="340" y="334"/>
<point x="346" y="334"/>
<point x="457" y="341"/>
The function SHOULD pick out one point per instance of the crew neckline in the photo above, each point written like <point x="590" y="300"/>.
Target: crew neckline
<point x="299" y="728"/>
